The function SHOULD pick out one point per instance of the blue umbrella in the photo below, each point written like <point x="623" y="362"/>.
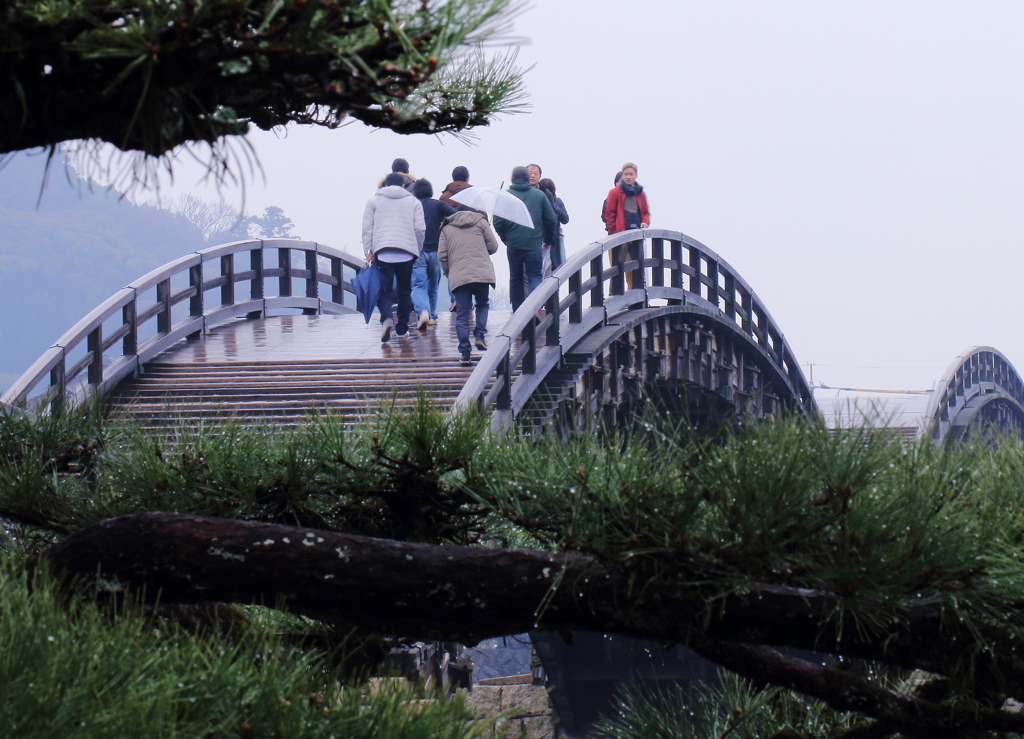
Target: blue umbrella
<point x="367" y="287"/>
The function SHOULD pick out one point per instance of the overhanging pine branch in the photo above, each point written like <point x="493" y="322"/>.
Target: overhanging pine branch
<point x="468" y="593"/>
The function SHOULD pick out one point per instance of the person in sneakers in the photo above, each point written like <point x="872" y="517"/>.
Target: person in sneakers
<point x="464" y="251"/>
<point x="525" y="244"/>
<point x="393" y="231"/>
<point x="426" y="273"/>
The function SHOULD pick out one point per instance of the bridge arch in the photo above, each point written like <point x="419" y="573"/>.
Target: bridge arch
<point x="980" y="389"/>
<point x="172" y="302"/>
<point x="666" y="309"/>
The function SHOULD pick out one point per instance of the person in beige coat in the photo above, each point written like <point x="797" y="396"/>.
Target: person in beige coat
<point x="464" y="250"/>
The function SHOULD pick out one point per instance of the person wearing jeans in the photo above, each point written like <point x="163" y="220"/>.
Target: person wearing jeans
<point x="393" y="231"/>
<point x="526" y="244"/>
<point x="426" y="273"/>
<point x="465" y="250"/>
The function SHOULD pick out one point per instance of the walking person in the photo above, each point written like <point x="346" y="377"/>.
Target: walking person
<point x="557" y="250"/>
<point x="464" y="251"/>
<point x="524" y="245"/>
<point x="393" y="231"/>
<point x="625" y="209"/>
<point x="426" y="272"/>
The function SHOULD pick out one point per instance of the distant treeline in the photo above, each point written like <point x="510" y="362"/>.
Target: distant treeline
<point x="81" y="244"/>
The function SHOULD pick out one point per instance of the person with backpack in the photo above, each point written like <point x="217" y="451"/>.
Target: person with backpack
<point x="464" y="252"/>
<point x="426" y="273"/>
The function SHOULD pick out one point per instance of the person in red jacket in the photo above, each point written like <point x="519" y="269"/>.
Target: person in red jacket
<point x="625" y="209"/>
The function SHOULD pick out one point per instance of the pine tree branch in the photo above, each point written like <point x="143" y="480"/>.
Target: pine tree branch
<point x="464" y="593"/>
<point x="847" y="692"/>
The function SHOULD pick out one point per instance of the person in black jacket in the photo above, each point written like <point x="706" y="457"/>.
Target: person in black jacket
<point x="558" y="249"/>
<point x="426" y="273"/>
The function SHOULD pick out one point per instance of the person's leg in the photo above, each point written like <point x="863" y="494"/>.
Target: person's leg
<point x="515" y="279"/>
<point x="403" y="275"/>
<point x="480" y="295"/>
<point x="557" y="254"/>
<point x="433" y="278"/>
<point x="533" y="266"/>
<point x="463" y="304"/>
<point x="384" y="305"/>
<point x="420" y="300"/>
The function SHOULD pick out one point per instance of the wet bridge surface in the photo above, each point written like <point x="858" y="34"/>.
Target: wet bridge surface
<point x="282" y="367"/>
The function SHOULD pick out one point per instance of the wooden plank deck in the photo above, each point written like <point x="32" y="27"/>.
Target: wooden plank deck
<point x="276" y="370"/>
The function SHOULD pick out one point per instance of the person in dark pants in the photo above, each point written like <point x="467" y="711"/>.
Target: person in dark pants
<point x="558" y="248"/>
<point x="393" y="230"/>
<point x="426" y="273"/>
<point x="464" y="251"/>
<point x="524" y="244"/>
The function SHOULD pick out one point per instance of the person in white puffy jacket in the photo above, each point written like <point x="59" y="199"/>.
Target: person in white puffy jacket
<point x="393" y="230"/>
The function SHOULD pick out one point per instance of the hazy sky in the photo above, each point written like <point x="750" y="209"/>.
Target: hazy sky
<point x="859" y="163"/>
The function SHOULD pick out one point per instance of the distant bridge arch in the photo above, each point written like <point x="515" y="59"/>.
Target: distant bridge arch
<point x="981" y="389"/>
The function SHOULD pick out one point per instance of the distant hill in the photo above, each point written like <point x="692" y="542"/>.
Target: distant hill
<point x="58" y="261"/>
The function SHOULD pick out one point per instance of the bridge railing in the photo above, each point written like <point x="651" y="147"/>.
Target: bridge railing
<point x="185" y="298"/>
<point x="646" y="268"/>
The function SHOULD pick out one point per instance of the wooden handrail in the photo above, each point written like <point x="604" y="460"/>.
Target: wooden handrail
<point x="134" y="353"/>
<point x="682" y="272"/>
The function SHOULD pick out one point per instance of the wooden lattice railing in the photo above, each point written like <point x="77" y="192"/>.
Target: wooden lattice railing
<point x="647" y="268"/>
<point x="140" y="321"/>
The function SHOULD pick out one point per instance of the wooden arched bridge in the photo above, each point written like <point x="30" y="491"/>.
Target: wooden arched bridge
<point x="268" y="331"/>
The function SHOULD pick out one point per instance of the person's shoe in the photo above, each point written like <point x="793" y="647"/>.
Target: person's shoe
<point x="424" y="320"/>
<point x="480" y="344"/>
<point x="402" y="331"/>
<point x="454" y="307"/>
<point x="385" y="330"/>
<point x="467" y="360"/>
<point x="432" y="322"/>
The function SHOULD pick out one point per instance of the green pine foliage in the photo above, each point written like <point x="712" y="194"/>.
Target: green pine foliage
<point x="152" y="76"/>
<point x="71" y="668"/>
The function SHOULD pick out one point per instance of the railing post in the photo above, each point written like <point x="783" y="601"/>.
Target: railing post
<point x="658" y="254"/>
<point x="618" y="280"/>
<point x="129" y="317"/>
<point x="730" y="295"/>
<point x="576" y="307"/>
<point x="195" y="302"/>
<point x="697" y="275"/>
<point x="551" y="308"/>
<point x="58" y="380"/>
<point x="163" y="296"/>
<point x="337" y="289"/>
<point x="312" y="288"/>
<point x="227" y="270"/>
<point x="713" y="290"/>
<point x="675" y="275"/>
<point x="597" y="273"/>
<point x="256" y="284"/>
<point x="284" y="282"/>
<point x="530" y="337"/>
<point x="504" y="399"/>
<point x="94" y="345"/>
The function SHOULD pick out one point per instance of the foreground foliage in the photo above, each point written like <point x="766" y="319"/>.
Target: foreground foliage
<point x="772" y="535"/>
<point x="153" y="76"/>
<point x="73" y="668"/>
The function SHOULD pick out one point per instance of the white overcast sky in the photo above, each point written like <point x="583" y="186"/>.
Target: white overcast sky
<point x="860" y="164"/>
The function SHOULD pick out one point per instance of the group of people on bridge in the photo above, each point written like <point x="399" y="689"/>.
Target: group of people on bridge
<point x="412" y="238"/>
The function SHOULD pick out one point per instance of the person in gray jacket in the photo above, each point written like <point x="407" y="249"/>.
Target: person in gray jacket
<point x="393" y="230"/>
<point x="464" y="250"/>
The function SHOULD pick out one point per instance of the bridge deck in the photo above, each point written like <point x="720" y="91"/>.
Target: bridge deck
<point x="284" y="366"/>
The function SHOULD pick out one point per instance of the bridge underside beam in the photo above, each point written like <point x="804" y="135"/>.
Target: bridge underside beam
<point x="685" y="360"/>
